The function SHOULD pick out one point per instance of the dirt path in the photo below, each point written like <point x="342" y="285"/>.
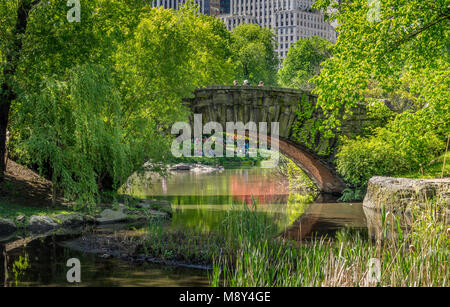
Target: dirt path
<point x="25" y="187"/>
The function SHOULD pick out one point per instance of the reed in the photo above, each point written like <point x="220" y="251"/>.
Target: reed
<point x="414" y="257"/>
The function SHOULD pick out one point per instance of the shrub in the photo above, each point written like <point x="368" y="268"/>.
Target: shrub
<point x="407" y="143"/>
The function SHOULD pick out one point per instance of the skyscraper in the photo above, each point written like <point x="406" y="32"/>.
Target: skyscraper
<point x="207" y="7"/>
<point x="225" y="6"/>
<point x="291" y="20"/>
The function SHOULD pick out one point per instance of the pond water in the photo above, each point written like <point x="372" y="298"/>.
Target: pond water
<point x="200" y="201"/>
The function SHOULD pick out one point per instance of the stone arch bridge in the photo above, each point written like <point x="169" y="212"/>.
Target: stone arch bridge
<point x="271" y="104"/>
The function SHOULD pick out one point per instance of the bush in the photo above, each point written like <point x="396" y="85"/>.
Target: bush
<point x="406" y="144"/>
<point x="360" y="159"/>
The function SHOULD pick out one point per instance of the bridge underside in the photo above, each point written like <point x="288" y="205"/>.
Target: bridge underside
<point x="321" y="174"/>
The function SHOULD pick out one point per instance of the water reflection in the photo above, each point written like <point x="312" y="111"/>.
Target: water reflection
<point x="325" y="219"/>
<point x="42" y="262"/>
<point x="199" y="202"/>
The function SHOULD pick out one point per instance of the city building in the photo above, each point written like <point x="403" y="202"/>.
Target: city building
<point x="291" y="20"/>
<point x="225" y="6"/>
<point x="207" y="7"/>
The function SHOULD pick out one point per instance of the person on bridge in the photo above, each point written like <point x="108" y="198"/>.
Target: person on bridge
<point x="235" y="83"/>
<point x="246" y="83"/>
<point x="261" y="83"/>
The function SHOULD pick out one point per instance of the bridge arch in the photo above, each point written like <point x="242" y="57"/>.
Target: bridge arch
<point x="268" y="104"/>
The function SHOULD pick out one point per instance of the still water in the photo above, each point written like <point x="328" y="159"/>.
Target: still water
<point x="199" y="201"/>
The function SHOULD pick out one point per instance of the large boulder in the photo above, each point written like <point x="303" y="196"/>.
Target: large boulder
<point x="400" y="194"/>
<point x="7" y="227"/>
<point x="181" y="167"/>
<point x="109" y="216"/>
<point x="158" y="205"/>
<point x="41" y="223"/>
<point x="70" y="220"/>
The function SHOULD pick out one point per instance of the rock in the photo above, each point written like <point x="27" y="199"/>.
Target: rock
<point x="181" y="167"/>
<point x="160" y="205"/>
<point x="89" y="219"/>
<point x="21" y="219"/>
<point x="400" y="197"/>
<point x="70" y="220"/>
<point x="109" y="216"/>
<point x="399" y="194"/>
<point x="7" y="227"/>
<point x="41" y="223"/>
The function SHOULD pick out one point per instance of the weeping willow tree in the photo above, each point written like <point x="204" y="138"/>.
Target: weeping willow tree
<point x="75" y="134"/>
<point x="96" y="100"/>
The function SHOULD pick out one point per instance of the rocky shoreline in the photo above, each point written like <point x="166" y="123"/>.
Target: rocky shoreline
<point x="141" y="211"/>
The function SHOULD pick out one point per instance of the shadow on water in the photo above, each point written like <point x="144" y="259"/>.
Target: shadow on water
<point x="42" y="262"/>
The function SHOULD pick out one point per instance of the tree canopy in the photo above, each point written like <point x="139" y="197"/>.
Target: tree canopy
<point x="392" y="57"/>
<point x="94" y="99"/>
<point x="303" y="62"/>
<point x="254" y="54"/>
<point x="390" y="45"/>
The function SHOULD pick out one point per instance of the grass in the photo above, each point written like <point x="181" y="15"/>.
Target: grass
<point x="435" y="169"/>
<point x="247" y="252"/>
<point x="416" y="258"/>
<point x="11" y="211"/>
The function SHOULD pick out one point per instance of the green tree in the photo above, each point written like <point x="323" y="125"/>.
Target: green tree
<point x="12" y="31"/>
<point x="391" y="51"/>
<point x="303" y="62"/>
<point x="37" y="40"/>
<point x="95" y="99"/>
<point x="382" y="44"/>
<point x="254" y="54"/>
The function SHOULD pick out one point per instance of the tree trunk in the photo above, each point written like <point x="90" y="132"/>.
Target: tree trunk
<point x="3" y="266"/>
<point x="7" y="94"/>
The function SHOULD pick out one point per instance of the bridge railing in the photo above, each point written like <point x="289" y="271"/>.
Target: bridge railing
<point x="257" y="88"/>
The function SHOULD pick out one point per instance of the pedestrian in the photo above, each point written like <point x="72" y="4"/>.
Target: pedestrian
<point x="261" y="83"/>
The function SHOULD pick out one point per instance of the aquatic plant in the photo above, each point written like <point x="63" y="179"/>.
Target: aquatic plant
<point x="418" y="257"/>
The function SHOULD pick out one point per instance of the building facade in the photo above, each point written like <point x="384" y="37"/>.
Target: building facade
<point x="291" y="20"/>
<point x="207" y="7"/>
<point x="225" y="6"/>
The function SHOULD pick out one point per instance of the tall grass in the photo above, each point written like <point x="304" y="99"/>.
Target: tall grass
<point x="417" y="257"/>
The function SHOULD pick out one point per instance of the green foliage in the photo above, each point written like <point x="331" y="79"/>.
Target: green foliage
<point x="254" y="54"/>
<point x="89" y="126"/>
<point x="349" y="195"/>
<point x="307" y="127"/>
<point x="171" y="54"/>
<point x="403" y="145"/>
<point x="11" y="211"/>
<point x="303" y="62"/>
<point x="360" y="159"/>
<point x="298" y="180"/>
<point x="414" y="258"/>
<point x="76" y="136"/>
<point x="399" y="59"/>
<point x="403" y="51"/>
<point x="437" y="168"/>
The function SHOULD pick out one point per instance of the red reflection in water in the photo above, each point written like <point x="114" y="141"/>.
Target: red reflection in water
<point x="263" y="189"/>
